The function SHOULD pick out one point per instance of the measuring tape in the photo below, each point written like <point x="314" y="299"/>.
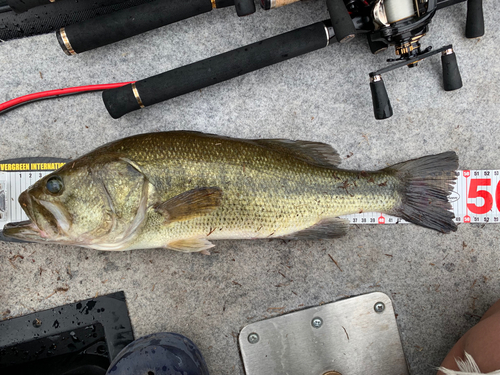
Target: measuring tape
<point x="16" y="175"/>
<point x="475" y="198"/>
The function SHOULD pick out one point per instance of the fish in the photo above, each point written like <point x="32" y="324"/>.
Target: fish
<point x="181" y="190"/>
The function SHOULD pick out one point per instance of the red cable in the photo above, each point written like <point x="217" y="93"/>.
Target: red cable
<point x="55" y="93"/>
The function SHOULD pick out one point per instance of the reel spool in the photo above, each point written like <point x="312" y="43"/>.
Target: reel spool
<point x="402" y="23"/>
<point x="397" y="10"/>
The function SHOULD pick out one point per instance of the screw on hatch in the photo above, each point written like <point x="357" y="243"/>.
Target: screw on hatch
<point x="379" y="307"/>
<point x="253" y="338"/>
<point x="317" y="322"/>
<point x="37" y="323"/>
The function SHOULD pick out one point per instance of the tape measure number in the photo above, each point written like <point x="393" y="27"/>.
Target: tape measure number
<point x="481" y="190"/>
<point x="475" y="199"/>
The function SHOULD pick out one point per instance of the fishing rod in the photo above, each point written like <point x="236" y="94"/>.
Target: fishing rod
<point x="111" y="28"/>
<point x="404" y="35"/>
<point x="398" y="23"/>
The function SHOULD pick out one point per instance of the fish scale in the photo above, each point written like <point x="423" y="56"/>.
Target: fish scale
<point x="270" y="197"/>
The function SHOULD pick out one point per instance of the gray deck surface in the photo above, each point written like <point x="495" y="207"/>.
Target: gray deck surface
<point x="440" y="284"/>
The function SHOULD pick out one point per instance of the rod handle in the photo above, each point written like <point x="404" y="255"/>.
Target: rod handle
<point x="341" y="20"/>
<point x="216" y="69"/>
<point x="20" y="6"/>
<point x="125" y="23"/>
<point x="244" y="7"/>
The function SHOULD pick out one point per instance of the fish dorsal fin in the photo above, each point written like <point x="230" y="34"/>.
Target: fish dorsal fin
<point x="190" y="204"/>
<point x="191" y="245"/>
<point x="326" y="228"/>
<point x="312" y="152"/>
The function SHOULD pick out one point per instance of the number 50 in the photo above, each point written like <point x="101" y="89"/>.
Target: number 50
<point x="474" y="192"/>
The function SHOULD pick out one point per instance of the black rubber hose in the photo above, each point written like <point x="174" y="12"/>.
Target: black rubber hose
<point x="215" y="69"/>
<point x="474" y="27"/>
<point x="382" y="108"/>
<point x="111" y="28"/>
<point x="451" y="74"/>
<point x="341" y="20"/>
<point x="244" y="7"/>
<point x="20" y="6"/>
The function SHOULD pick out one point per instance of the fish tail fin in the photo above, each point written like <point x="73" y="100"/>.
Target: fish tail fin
<point x="426" y="184"/>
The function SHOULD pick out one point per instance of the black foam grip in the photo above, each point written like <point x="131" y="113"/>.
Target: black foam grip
<point x="223" y="3"/>
<point x="382" y="108"/>
<point x="49" y="18"/>
<point x="125" y="23"/>
<point x="216" y="69"/>
<point x="341" y="20"/>
<point x="474" y="27"/>
<point x="376" y="46"/>
<point x="244" y="7"/>
<point x="20" y="6"/>
<point x="451" y="74"/>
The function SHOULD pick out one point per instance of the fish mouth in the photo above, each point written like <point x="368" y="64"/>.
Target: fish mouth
<point x="25" y="231"/>
<point x="42" y="225"/>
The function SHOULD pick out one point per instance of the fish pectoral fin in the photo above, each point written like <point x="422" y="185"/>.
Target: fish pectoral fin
<point x="326" y="228"/>
<point x="191" y="245"/>
<point x="312" y="152"/>
<point x="190" y="204"/>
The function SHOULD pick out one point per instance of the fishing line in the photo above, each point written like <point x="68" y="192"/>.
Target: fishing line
<point x="30" y="98"/>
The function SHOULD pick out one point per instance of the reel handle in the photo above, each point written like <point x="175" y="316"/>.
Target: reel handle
<point x="382" y="108"/>
<point x="213" y="70"/>
<point x="125" y="23"/>
<point x="452" y="79"/>
<point x="474" y="28"/>
<point x="341" y="20"/>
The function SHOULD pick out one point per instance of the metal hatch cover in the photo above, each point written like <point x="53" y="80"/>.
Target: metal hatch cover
<point x="353" y="336"/>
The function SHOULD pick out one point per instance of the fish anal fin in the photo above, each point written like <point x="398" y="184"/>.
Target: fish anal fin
<point x="313" y="152"/>
<point x="191" y="245"/>
<point x="190" y="204"/>
<point x="323" y="229"/>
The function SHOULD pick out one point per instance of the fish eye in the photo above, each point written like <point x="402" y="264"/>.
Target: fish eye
<point x="55" y="185"/>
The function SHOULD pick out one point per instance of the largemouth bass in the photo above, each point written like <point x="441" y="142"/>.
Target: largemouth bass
<point x="180" y="190"/>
